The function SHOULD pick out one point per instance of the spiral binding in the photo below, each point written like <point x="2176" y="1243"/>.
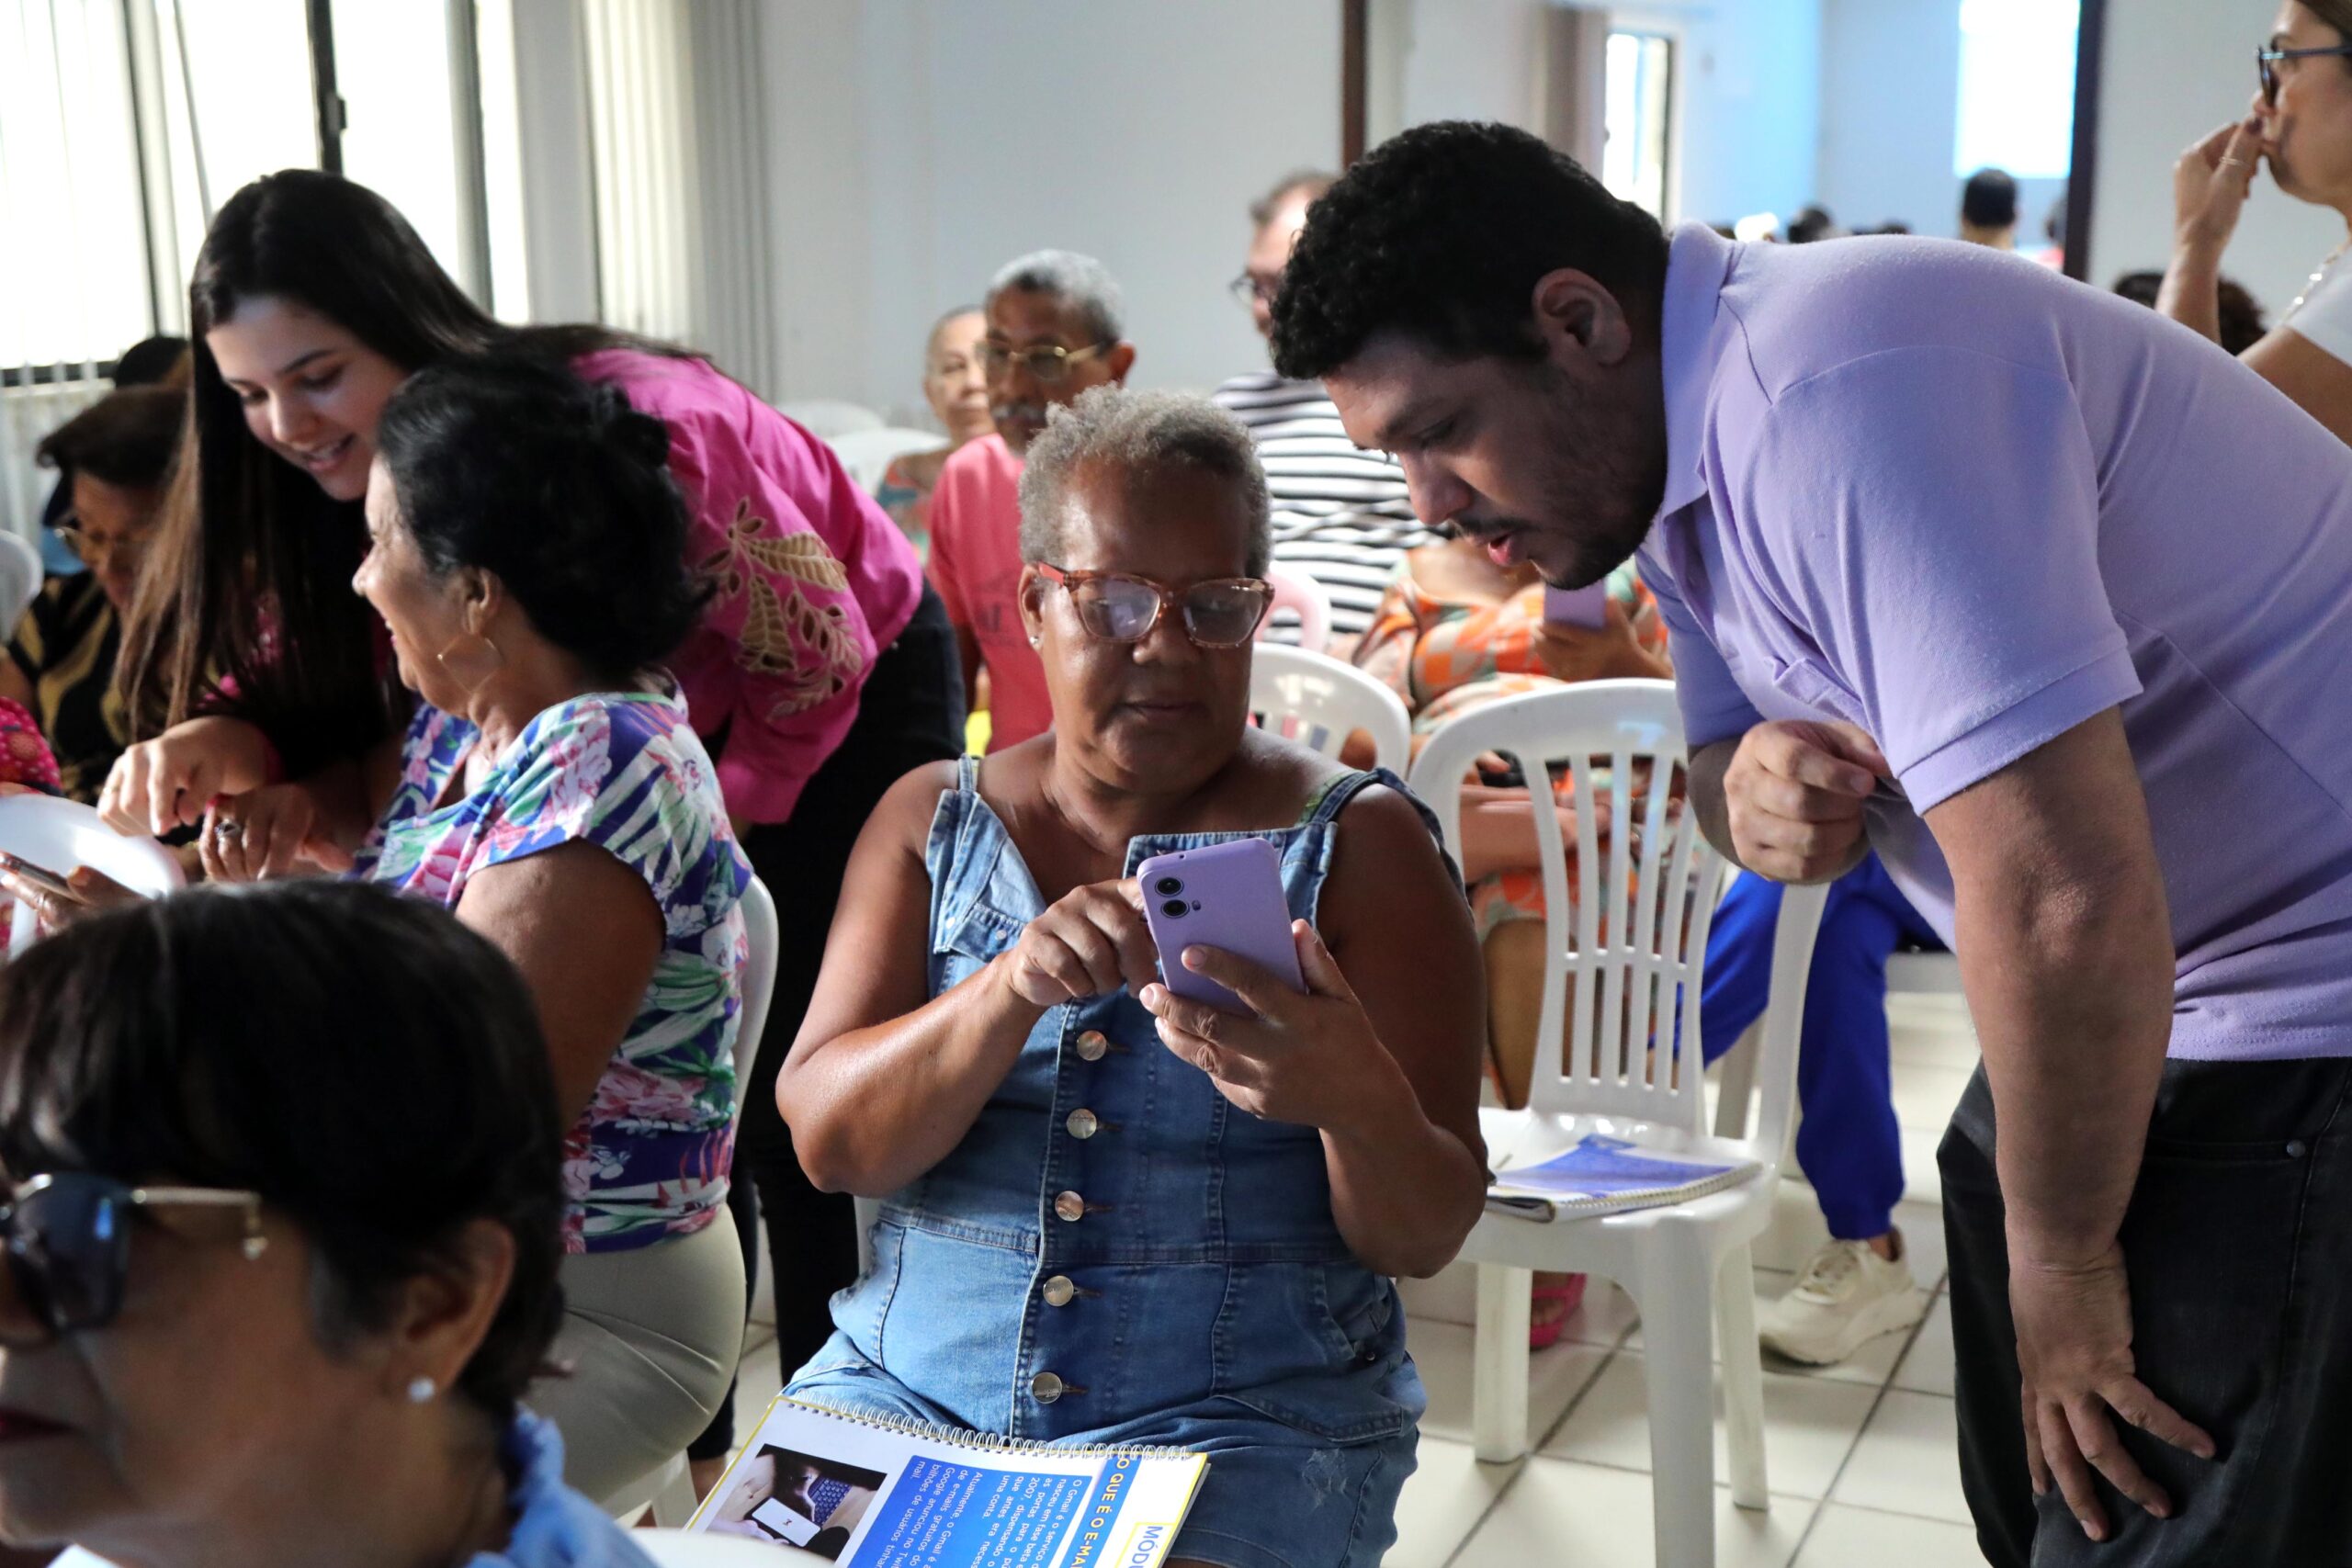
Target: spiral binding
<point x="978" y="1442"/>
<point x="1528" y="1204"/>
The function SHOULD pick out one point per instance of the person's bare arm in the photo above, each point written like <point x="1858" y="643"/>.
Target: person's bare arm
<point x="2210" y="186"/>
<point x="2066" y="955"/>
<point x="1498" y="830"/>
<point x="586" y="933"/>
<point x="2318" y="383"/>
<point x="1784" y="800"/>
<point x="886" y="1079"/>
<point x="1405" y="1192"/>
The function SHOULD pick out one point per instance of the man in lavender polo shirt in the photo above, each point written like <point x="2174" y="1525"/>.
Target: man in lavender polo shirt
<point x="2051" y="604"/>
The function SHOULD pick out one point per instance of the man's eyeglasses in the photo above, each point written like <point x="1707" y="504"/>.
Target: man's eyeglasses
<point x="1250" y="288"/>
<point x="92" y="551"/>
<point x="1116" y="607"/>
<point x="2266" y="61"/>
<point x="67" y="1240"/>
<point x="1048" y="364"/>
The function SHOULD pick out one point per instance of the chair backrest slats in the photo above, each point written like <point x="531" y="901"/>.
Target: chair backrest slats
<point x="1618" y="1023"/>
<point x="1319" y="702"/>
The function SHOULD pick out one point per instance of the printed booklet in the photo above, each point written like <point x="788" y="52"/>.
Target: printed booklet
<point x="872" y="1492"/>
<point x="1607" y="1176"/>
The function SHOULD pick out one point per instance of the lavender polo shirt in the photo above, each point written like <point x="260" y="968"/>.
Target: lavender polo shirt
<point x="1949" y="497"/>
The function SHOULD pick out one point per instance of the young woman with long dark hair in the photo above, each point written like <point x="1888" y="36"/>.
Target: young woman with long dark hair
<point x="259" y="687"/>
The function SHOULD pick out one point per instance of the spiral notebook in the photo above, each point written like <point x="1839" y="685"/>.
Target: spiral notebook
<point x="1607" y="1176"/>
<point x="874" y="1492"/>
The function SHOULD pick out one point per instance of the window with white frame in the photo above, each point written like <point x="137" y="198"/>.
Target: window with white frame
<point x="2016" y="87"/>
<point x="1638" y="111"/>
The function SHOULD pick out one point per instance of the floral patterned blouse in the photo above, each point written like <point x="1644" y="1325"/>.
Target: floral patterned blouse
<point x="1446" y="656"/>
<point x="813" y="579"/>
<point x="622" y="770"/>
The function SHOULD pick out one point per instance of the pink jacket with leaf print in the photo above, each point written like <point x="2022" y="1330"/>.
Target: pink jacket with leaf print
<point x="813" y="579"/>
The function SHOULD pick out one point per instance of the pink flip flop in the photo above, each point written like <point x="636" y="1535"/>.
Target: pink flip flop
<point x="1569" y="1293"/>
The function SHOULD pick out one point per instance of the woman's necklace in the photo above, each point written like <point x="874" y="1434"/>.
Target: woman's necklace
<point x="2311" y="286"/>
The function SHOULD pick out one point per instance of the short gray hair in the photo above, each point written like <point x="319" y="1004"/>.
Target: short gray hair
<point x="1137" y="431"/>
<point x="1076" y="280"/>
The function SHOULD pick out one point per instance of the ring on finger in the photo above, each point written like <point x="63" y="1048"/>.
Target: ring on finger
<point x="229" y="830"/>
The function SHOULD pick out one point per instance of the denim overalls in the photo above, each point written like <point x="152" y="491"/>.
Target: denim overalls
<point x="1117" y="1254"/>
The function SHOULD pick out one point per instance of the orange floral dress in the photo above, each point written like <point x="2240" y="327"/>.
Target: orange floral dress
<point x="1447" y="656"/>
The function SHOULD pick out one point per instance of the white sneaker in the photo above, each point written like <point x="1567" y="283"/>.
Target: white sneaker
<point x="1846" y="1296"/>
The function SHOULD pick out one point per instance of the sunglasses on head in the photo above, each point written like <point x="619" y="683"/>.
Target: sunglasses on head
<point x="1116" y="607"/>
<point x="67" y="1241"/>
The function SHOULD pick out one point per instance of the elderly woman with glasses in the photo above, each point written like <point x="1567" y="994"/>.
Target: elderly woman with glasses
<point x="114" y="459"/>
<point x="266" y="1302"/>
<point x="2300" y="124"/>
<point x="1112" y="1215"/>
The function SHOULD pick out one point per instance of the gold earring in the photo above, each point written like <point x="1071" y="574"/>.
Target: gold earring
<point x="471" y="661"/>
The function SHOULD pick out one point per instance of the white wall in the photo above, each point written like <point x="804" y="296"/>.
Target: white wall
<point x="2173" y="71"/>
<point x="1466" y="60"/>
<point x="917" y="145"/>
<point x="1751" y="102"/>
<point x="1890" y="112"/>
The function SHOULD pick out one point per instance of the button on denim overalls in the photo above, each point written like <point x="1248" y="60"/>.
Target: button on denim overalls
<point x="1117" y="1253"/>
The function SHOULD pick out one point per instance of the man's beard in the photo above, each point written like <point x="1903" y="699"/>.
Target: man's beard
<point x="1601" y="488"/>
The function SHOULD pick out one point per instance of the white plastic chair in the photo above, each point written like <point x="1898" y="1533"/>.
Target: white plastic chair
<point x="868" y="454"/>
<point x="825" y="418"/>
<point x="59" y="834"/>
<point x="669" y="1491"/>
<point x="1303" y="597"/>
<point x="1654" y="907"/>
<point x="1318" y="701"/>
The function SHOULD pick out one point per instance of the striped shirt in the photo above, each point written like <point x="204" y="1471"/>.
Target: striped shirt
<point x="1340" y="514"/>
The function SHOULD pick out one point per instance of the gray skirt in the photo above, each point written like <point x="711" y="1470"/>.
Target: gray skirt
<point x="650" y="1340"/>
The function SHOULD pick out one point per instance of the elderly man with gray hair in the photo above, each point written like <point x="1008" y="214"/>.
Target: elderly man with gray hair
<point x="1053" y="330"/>
<point x="1112" y="1215"/>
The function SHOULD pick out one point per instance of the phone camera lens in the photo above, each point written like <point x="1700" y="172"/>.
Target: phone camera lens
<point x="1168" y="887"/>
<point x="1174" y="909"/>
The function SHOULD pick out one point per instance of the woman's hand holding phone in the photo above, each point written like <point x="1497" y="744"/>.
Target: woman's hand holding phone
<point x="1312" y="1059"/>
<point x="59" y="900"/>
<point x="1610" y="651"/>
<point x="1091" y="942"/>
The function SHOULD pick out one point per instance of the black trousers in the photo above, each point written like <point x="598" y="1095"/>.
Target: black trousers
<point x="911" y="711"/>
<point x="2238" y="1246"/>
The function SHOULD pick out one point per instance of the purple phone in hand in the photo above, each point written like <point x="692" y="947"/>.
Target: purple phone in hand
<point x="1586" y="607"/>
<point x="1227" y="896"/>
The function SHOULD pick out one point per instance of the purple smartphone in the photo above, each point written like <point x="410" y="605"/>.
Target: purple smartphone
<point x="1227" y="896"/>
<point x="1586" y="607"/>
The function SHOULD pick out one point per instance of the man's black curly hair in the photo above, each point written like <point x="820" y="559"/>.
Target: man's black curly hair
<point x="1440" y="233"/>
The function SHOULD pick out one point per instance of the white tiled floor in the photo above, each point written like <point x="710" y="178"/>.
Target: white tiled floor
<point x="1860" y="1457"/>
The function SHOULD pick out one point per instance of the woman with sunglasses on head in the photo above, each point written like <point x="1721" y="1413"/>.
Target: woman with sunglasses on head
<point x="821" y="668"/>
<point x="2301" y="123"/>
<point x="266" y="1303"/>
<point x="1110" y="1214"/>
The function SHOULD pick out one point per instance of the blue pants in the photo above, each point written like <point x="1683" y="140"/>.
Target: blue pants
<point x="1847" y="1143"/>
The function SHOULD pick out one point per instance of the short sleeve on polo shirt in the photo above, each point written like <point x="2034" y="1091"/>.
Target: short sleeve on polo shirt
<point x="1713" y="707"/>
<point x="1930" y="517"/>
